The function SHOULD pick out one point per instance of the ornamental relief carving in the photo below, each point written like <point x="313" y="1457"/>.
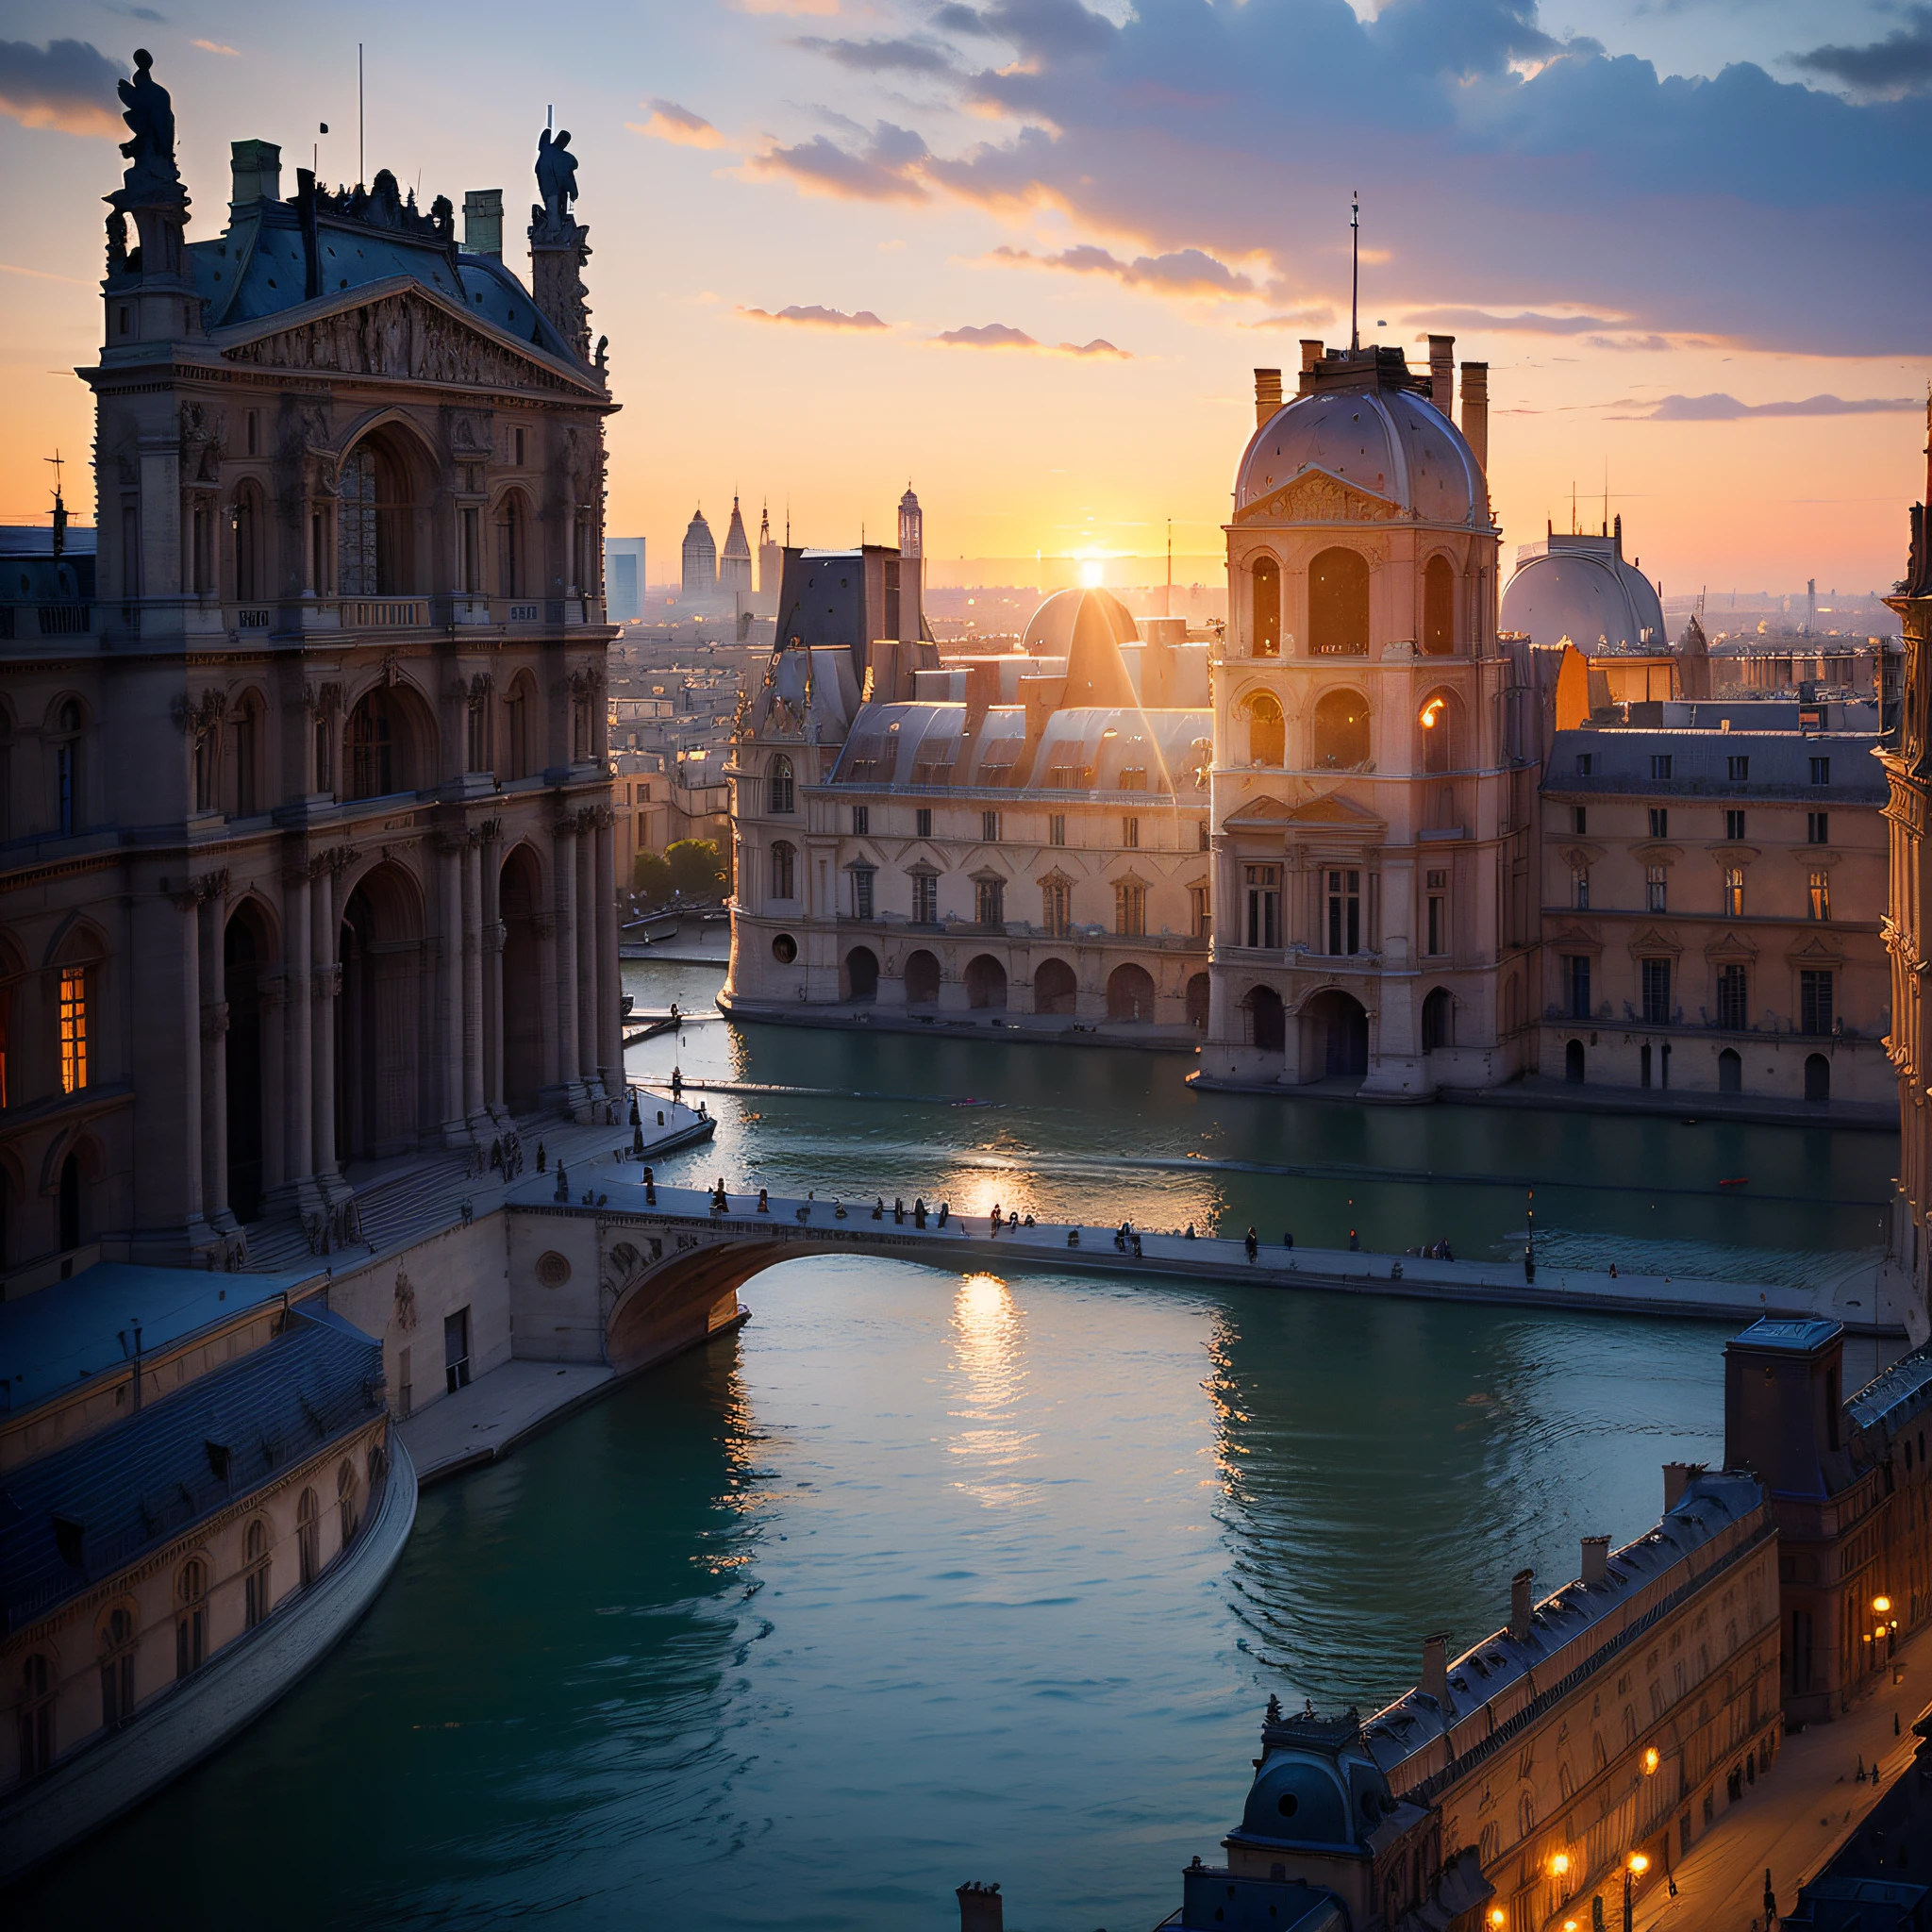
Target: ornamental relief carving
<point x="1316" y="498"/>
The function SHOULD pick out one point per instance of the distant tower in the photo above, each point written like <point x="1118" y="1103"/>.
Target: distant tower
<point x="771" y="558"/>
<point x="700" y="558"/>
<point x="1810" y="605"/>
<point x="911" y="525"/>
<point x="734" y="570"/>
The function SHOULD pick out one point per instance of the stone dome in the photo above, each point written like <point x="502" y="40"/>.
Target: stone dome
<point x="1051" y="629"/>
<point x="1392" y="443"/>
<point x="1582" y="589"/>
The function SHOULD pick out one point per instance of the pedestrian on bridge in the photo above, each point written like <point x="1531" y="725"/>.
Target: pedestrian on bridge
<point x="918" y="1211"/>
<point x="677" y="1086"/>
<point x="1354" y="1243"/>
<point x="945" y="1211"/>
<point x="878" y="1209"/>
<point x="899" y="1211"/>
<point x="998" y="1219"/>
<point x="1254" y="1244"/>
<point x="650" y="1187"/>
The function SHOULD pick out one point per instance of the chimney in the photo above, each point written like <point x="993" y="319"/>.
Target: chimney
<point x="982" y="693"/>
<point x="1436" y="1669"/>
<point x="1475" y="411"/>
<point x="257" y="169"/>
<point x="1311" y="361"/>
<point x="1678" y="1476"/>
<point x="1596" y="1560"/>
<point x="1442" y="374"/>
<point x="1519" y="1604"/>
<point x="483" y="221"/>
<point x="1266" y="395"/>
<point x="981" y="1908"/>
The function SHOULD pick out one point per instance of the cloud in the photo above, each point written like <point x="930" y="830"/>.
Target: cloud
<point x="1301" y="315"/>
<point x="1723" y="409"/>
<point x="1098" y="346"/>
<point x="913" y="55"/>
<point x="219" y="47"/>
<point x="1529" y="323"/>
<point x="679" y="125"/>
<point x="1650" y="343"/>
<point x="994" y="335"/>
<point x="66" y="84"/>
<point x="1899" y="64"/>
<point x="1184" y="271"/>
<point x="813" y="316"/>
<point x="886" y="169"/>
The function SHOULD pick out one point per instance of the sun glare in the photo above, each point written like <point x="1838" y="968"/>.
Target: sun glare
<point x="1091" y="573"/>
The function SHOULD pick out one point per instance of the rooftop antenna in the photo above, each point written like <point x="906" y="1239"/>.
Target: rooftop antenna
<point x="1607" y="496"/>
<point x="1355" y="273"/>
<point x="361" y="163"/>
<point x="1573" y="506"/>
<point x="59" y="508"/>
<point x="1167" y="606"/>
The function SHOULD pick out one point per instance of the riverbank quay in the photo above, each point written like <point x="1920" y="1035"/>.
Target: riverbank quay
<point x="1033" y="1029"/>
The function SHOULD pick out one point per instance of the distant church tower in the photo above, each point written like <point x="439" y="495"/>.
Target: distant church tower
<point x="771" y="559"/>
<point x="700" y="558"/>
<point x="734" y="570"/>
<point x="911" y="525"/>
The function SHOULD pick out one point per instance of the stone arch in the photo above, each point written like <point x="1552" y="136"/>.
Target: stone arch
<point x="986" y="983"/>
<point x="248" y="948"/>
<point x="1335" y="1036"/>
<point x="1199" y="995"/>
<point x="1575" y="1064"/>
<point x="1440" y="734"/>
<point x="1056" y="988"/>
<point x="1130" y="992"/>
<point x="1439" y="1019"/>
<point x="1339" y="603"/>
<point x="1439" y="608"/>
<point x="1264" y="607"/>
<point x="922" y="975"/>
<point x="388" y="742"/>
<point x="521" y="905"/>
<point x="1817" y="1077"/>
<point x="858" y="975"/>
<point x="513" y="538"/>
<point x="523" y="754"/>
<point x="382" y="1017"/>
<point x="781" y="786"/>
<point x="1341" y="730"/>
<point x="1730" y="1070"/>
<point x="386" y="482"/>
<point x="1267" y="729"/>
<point x="1266" y="1019"/>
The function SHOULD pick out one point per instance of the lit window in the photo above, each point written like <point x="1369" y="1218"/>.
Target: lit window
<point x="1820" y="895"/>
<point x="1734" y="892"/>
<point x="73" y="1029"/>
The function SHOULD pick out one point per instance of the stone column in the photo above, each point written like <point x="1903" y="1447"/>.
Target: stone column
<point x="609" y="978"/>
<point x="324" y="986"/>
<point x="544" y="925"/>
<point x="190" y="1123"/>
<point x="491" y="934"/>
<point x="473" y="978"/>
<point x="298" y="1047"/>
<point x="450" y="1002"/>
<point x="214" y="1059"/>
<point x="586" y="949"/>
<point x="564" y="1067"/>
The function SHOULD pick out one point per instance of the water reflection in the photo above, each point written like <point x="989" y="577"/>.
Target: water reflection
<point x="989" y="1377"/>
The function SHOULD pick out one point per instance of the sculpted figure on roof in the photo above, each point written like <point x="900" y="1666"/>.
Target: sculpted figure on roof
<point x="150" y="117"/>
<point x="556" y="179"/>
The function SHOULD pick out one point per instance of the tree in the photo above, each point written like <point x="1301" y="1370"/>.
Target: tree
<point x="651" y="877"/>
<point x="697" y="871"/>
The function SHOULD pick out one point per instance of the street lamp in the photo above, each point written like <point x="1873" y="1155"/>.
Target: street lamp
<point x="1651" y="1761"/>
<point x="1559" y="1864"/>
<point x="1634" y="1869"/>
<point x="1498" y="1917"/>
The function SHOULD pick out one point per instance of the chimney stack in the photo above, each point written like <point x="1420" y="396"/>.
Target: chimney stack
<point x="1475" y="411"/>
<point x="1442" y="374"/>
<point x="1311" y="361"/>
<point x="483" y="221"/>
<point x="1678" y="1476"/>
<point x="1596" y="1560"/>
<point x="1266" y="395"/>
<point x="1436" y="1669"/>
<point x="981" y="1909"/>
<point x="256" y="168"/>
<point x="1519" y="1604"/>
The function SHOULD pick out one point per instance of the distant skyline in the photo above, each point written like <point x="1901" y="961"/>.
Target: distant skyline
<point x="1028" y="254"/>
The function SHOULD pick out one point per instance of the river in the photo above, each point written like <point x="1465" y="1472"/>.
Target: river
<point x="922" y="1577"/>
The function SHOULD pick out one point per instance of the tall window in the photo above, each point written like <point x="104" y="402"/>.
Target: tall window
<point x="1814" y="1001"/>
<point x="861" y="892"/>
<point x="512" y="581"/>
<point x="1056" y="906"/>
<point x="1264" y="907"/>
<point x="255" y="1557"/>
<point x="1577" y="983"/>
<point x="372" y="527"/>
<point x="990" y="902"/>
<point x="67" y="771"/>
<point x="249" y="523"/>
<point x="1818" y="829"/>
<point x="1266" y="582"/>
<point x="372" y="747"/>
<point x="1130" y="910"/>
<point x="1656" y="886"/>
<point x="784" y="870"/>
<point x="1056" y="828"/>
<point x="1818" y="893"/>
<point x="1579" y="887"/>
<point x="1734" y="825"/>
<point x="783" y="792"/>
<point x="347" y="1509"/>
<point x="307" y="1539"/>
<point x="1339" y="605"/>
<point x="1820" y="770"/>
<point x="117" y="1668"/>
<point x="517" y="727"/>
<point x="1579" y="820"/>
<point x="989" y="827"/>
<point x="1655" y="981"/>
<point x="1733" y="998"/>
<point x="925" y="898"/>
<point x="36" y="1716"/>
<point x="1738" y="770"/>
<point x="1341" y="730"/>
<point x="248" y="759"/>
<point x="190" y="1618"/>
<point x="1439" y="608"/>
<point x="1344" y="911"/>
<point x="922" y="822"/>
<point x="1660" y="822"/>
<point x="1130" y="833"/>
<point x="73" y="1029"/>
<point x="1200" y="912"/>
<point x="1437" y="884"/>
<point x="478" y="744"/>
<point x="1734" y="892"/>
<point x="1267" y="732"/>
<point x="208" y="765"/>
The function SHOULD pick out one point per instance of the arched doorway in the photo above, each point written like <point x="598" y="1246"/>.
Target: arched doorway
<point x="921" y="979"/>
<point x="1335" y="1037"/>
<point x="519" y="903"/>
<point x="1130" y="994"/>
<point x="1573" y="1063"/>
<point x="858" y="979"/>
<point x="1730" y="1072"/>
<point x="380" y="1022"/>
<point x="1339" y="605"/>
<point x="245" y="952"/>
<point x="1817" y="1077"/>
<point x="1055" y="988"/>
<point x="1197" y="1002"/>
<point x="1267" y="1020"/>
<point x="1439" y="1019"/>
<point x="986" y="983"/>
<point x="1342" y="731"/>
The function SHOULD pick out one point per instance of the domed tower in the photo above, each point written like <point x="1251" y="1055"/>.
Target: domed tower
<point x="700" y="558"/>
<point x="1372" y="791"/>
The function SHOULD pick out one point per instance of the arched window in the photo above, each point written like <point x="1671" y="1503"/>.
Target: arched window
<point x="251" y="530"/>
<point x="190" y="1618"/>
<point x="36" y="1715"/>
<point x="307" y="1539"/>
<point x="346" y="1500"/>
<point x="783" y="797"/>
<point x="248" y="738"/>
<point x="1439" y="608"/>
<point x="516" y="718"/>
<point x="375" y="521"/>
<point x="1267" y="1021"/>
<point x="1342" y="731"/>
<point x="255" y="1560"/>
<point x="70" y="804"/>
<point x="1265" y="607"/>
<point x="512" y="576"/>
<point x="1439" y="1019"/>
<point x="1339" y="605"/>
<point x="379" y="747"/>
<point x="117" y="1667"/>
<point x="1267" y="732"/>
<point x="784" y="871"/>
<point x="1436" y="726"/>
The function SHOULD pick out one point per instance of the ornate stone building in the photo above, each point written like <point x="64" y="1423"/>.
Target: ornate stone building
<point x="1374" y="789"/>
<point x="308" y="835"/>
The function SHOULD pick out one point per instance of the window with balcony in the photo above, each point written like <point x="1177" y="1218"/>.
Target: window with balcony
<point x="1344" y="909"/>
<point x="1654" y="977"/>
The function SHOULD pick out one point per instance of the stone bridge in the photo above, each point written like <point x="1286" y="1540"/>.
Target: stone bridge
<point x="638" y="1273"/>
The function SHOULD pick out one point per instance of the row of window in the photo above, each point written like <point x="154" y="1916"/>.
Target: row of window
<point x="1737" y="769"/>
<point x="1657" y="887"/>
<point x="991" y="828"/>
<point x="1817" y="825"/>
<point x="1338" y="605"/>
<point x="1816" y="1011"/>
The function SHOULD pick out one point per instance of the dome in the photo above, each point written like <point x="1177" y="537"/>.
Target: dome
<point x="1050" y="630"/>
<point x="1392" y="443"/>
<point x="1580" y="587"/>
<point x="1300" y="1800"/>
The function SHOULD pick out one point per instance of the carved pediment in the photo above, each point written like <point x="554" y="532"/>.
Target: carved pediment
<point x="1318" y="496"/>
<point x="398" y="330"/>
<point x="1574" y="938"/>
<point x="1821" y="949"/>
<point x="1653" y="941"/>
<point x="1333" y="808"/>
<point x="1731" y="948"/>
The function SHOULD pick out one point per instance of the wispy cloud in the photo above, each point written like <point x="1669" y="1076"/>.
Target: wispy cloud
<point x="911" y="54"/>
<point x="66" y="84"/>
<point x="812" y="316"/>
<point x="219" y="47"/>
<point x="42" y="275"/>
<point x="1001" y="335"/>
<point x="679" y="125"/>
<point x="1529" y="323"/>
<point x="1182" y="272"/>
<point x="1726" y="409"/>
<point x="885" y="169"/>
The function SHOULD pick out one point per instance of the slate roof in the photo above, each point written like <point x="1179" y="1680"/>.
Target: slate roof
<point x="91" y="1509"/>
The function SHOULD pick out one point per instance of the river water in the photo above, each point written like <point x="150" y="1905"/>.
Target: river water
<point x="922" y="1577"/>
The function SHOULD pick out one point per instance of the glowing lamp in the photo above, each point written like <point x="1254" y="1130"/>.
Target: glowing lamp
<point x="1432" y="712"/>
<point x="1651" y="1761"/>
<point x="1560" y="1863"/>
<point x="1498" y="1918"/>
<point x="1881" y="1604"/>
<point x="1638" y="1863"/>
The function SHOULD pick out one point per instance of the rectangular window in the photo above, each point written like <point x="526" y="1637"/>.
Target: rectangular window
<point x="1264" y="907"/>
<point x="1656" y="991"/>
<point x="73" y="1029"/>
<point x="1814" y="1001"/>
<point x="1200" y="918"/>
<point x="1586" y="763"/>
<point x="1734" y="825"/>
<point x="1734" y="892"/>
<point x="861" y="820"/>
<point x="990" y="902"/>
<point x="1133" y="778"/>
<point x="861" y="892"/>
<point x="1733" y="998"/>
<point x="1344" y="912"/>
<point x="1656" y="886"/>
<point x="1820" y="770"/>
<point x="989" y="827"/>
<point x="1579" y="887"/>
<point x="1738" y="770"/>
<point x="1579" y="821"/>
<point x="1437" y="912"/>
<point x="1818" y="829"/>
<point x="1200" y="830"/>
<point x="922" y="822"/>
<point x="1577" y="984"/>
<point x="1659" y="764"/>
<point x="926" y="899"/>
<point x="1819" y="896"/>
<point x="1660" y="822"/>
<point x="1056" y="828"/>
<point x="1130" y="834"/>
<point x="1130" y="910"/>
<point x="1056" y="906"/>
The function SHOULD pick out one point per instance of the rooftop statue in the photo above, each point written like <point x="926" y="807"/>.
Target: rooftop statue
<point x="150" y="117"/>
<point x="557" y="181"/>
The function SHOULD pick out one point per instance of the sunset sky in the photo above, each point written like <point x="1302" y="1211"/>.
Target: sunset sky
<point x="1028" y="253"/>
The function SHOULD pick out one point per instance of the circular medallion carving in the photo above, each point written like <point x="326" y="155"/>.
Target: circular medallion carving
<point x="553" y="1270"/>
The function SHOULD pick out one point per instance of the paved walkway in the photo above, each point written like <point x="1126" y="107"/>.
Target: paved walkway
<point x="1794" y="1819"/>
<point x="495" y="1413"/>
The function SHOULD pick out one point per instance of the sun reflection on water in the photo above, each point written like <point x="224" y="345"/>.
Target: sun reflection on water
<point x="988" y="1365"/>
